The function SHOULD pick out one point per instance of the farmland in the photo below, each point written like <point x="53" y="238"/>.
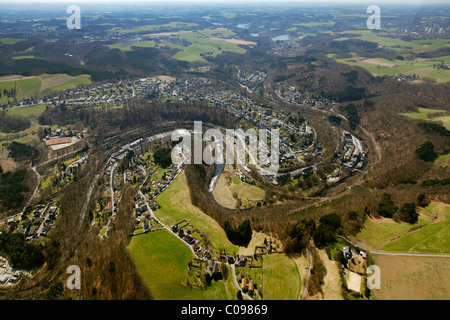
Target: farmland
<point x="412" y="278"/>
<point x="69" y="84"/>
<point x="281" y="278"/>
<point x="207" y="42"/>
<point x="30" y="87"/>
<point x="380" y="67"/>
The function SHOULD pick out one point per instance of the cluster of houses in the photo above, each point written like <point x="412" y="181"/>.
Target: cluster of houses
<point x="287" y="48"/>
<point x="36" y="223"/>
<point x="406" y="77"/>
<point x="292" y="95"/>
<point x="144" y="220"/>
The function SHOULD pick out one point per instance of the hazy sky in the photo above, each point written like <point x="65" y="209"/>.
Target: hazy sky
<point x="416" y="2"/>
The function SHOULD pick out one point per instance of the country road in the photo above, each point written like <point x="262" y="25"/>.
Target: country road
<point x="305" y="289"/>
<point x="431" y="255"/>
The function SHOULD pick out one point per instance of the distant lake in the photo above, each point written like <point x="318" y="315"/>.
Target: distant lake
<point x="282" y="37"/>
<point x="243" y="25"/>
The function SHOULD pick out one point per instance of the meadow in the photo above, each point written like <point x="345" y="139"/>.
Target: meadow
<point x="228" y="187"/>
<point x="423" y="113"/>
<point x="438" y="115"/>
<point x="209" y="41"/>
<point x="281" y="278"/>
<point x="30" y="111"/>
<point x="432" y="238"/>
<point x="162" y="261"/>
<point x="428" y="235"/>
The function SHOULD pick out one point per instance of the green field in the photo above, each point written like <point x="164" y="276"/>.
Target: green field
<point x="207" y="41"/>
<point x="23" y="57"/>
<point x="442" y="160"/>
<point x="225" y="194"/>
<point x="176" y="206"/>
<point x="432" y="238"/>
<point x="423" y="237"/>
<point x="420" y="67"/>
<point x="377" y="234"/>
<point x="82" y="79"/>
<point x="281" y="279"/>
<point x="28" y="88"/>
<point x="423" y="113"/>
<point x="34" y="110"/>
<point x="162" y="261"/>
<point x="10" y="40"/>
<point x="445" y="121"/>
<point x="42" y="85"/>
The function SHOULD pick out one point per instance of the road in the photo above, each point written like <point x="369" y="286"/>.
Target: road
<point x="429" y="255"/>
<point x="305" y="289"/>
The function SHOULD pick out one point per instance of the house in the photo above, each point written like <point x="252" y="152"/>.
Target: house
<point x="242" y="261"/>
<point x="189" y="239"/>
<point x="3" y="279"/>
<point x="212" y="267"/>
<point x="244" y="283"/>
<point x="251" y="286"/>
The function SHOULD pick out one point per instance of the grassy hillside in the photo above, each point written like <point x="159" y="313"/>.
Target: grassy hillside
<point x="162" y="261"/>
<point x="428" y="235"/>
<point x="176" y="206"/>
<point x="281" y="279"/>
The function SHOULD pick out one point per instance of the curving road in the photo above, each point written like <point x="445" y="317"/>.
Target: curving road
<point x="305" y="289"/>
